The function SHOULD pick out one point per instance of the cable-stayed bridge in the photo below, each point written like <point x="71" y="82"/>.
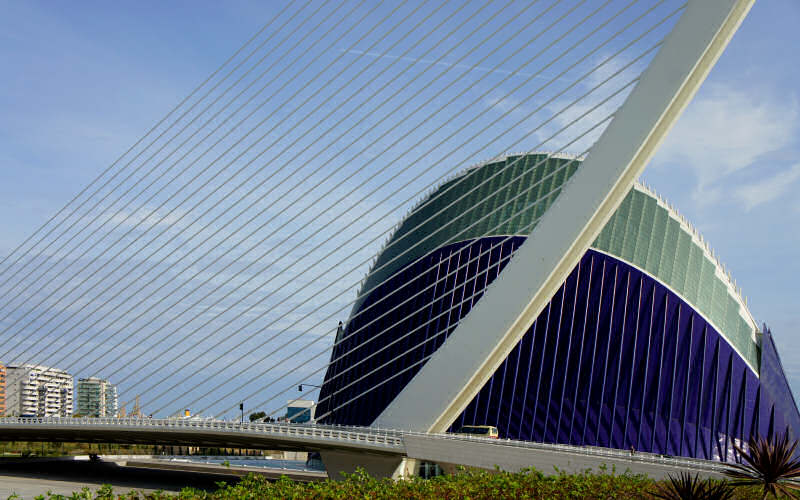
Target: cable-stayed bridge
<point x="381" y="449"/>
<point x="233" y="253"/>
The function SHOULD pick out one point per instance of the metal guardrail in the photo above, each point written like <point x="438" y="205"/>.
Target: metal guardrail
<point x="390" y="438"/>
<point x="332" y="433"/>
<point x="638" y="456"/>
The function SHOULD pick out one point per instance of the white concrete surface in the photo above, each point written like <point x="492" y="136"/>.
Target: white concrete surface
<point x="514" y="458"/>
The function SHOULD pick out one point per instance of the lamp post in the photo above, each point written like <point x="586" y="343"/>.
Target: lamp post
<point x="241" y="408"/>
<point x="300" y="387"/>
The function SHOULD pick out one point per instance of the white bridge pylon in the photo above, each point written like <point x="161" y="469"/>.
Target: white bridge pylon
<point x="455" y="373"/>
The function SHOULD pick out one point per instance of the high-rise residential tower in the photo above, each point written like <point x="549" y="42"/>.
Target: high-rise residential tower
<point x="2" y="390"/>
<point x="35" y="390"/>
<point x="97" y="398"/>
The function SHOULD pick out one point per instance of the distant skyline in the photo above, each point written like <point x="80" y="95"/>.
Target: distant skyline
<point x="81" y="82"/>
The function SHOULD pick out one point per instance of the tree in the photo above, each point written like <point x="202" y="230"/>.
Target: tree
<point x="770" y="464"/>
<point x="257" y="416"/>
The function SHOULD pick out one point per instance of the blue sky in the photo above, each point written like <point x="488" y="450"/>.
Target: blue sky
<point x="81" y="82"/>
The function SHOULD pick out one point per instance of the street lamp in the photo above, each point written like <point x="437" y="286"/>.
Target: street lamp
<point x="300" y="387"/>
<point x="241" y="408"/>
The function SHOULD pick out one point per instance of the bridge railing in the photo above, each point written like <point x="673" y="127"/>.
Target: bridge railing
<point x="337" y="433"/>
<point x="387" y="437"/>
<point x="638" y="456"/>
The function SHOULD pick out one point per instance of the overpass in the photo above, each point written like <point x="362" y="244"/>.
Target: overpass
<point x="382" y="452"/>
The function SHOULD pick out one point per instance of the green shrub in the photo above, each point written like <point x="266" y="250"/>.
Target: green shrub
<point x="471" y="484"/>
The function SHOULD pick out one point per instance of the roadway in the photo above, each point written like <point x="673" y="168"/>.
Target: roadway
<point x="377" y="450"/>
<point x="31" y="478"/>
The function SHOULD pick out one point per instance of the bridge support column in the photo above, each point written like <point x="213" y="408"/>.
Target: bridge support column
<point x="376" y="465"/>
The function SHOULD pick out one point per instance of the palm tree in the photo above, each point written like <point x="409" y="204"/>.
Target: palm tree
<point x="689" y="487"/>
<point x="770" y="464"/>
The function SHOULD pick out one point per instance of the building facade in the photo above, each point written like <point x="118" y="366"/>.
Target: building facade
<point x="2" y="390"/>
<point x="97" y="398"/>
<point x="300" y="411"/>
<point x="648" y="344"/>
<point x="34" y="390"/>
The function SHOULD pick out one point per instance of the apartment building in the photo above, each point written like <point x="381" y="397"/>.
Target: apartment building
<point x="2" y="390"/>
<point x="35" y="390"/>
<point x="97" y="398"/>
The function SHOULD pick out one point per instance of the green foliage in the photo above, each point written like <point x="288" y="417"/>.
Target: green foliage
<point x="769" y="464"/>
<point x="689" y="487"/>
<point x="257" y="416"/>
<point x="465" y="484"/>
<point x="475" y="485"/>
<point x="105" y="492"/>
<point x="49" y="449"/>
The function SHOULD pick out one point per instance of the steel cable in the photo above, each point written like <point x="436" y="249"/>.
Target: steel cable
<point x="139" y="141"/>
<point x="459" y="268"/>
<point x="99" y="202"/>
<point x="73" y="350"/>
<point x="237" y="202"/>
<point x="207" y="280"/>
<point x="185" y="169"/>
<point x="651" y="49"/>
<point x="364" y="292"/>
<point x="164" y="217"/>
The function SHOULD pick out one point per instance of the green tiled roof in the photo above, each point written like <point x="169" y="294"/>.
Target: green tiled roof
<point x="508" y="196"/>
<point x="466" y="207"/>
<point x="645" y="232"/>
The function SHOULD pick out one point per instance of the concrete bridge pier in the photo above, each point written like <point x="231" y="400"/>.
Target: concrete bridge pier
<point x="375" y="464"/>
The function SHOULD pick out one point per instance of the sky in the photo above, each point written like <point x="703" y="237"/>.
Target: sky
<point x="82" y="82"/>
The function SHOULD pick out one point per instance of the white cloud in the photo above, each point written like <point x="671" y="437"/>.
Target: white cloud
<point x="428" y="62"/>
<point x="725" y="130"/>
<point x="146" y="218"/>
<point x="502" y="104"/>
<point x="756" y="193"/>
<point x="566" y="114"/>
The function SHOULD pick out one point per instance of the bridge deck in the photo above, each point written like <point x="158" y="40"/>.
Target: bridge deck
<point x="210" y="433"/>
<point x="359" y="441"/>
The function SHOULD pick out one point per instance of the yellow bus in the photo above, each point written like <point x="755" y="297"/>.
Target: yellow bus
<point x="488" y="431"/>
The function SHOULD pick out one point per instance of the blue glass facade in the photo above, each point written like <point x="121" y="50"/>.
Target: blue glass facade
<point x="616" y="359"/>
<point x="416" y="309"/>
<point x="298" y="415"/>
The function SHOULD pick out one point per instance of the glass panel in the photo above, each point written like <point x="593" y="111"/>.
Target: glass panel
<point x="669" y="253"/>
<point x="629" y="236"/>
<point x="644" y="239"/>
<point x="618" y="234"/>
<point x="693" y="273"/>
<point x="681" y="261"/>
<point x="705" y="293"/>
<point x="654" y="256"/>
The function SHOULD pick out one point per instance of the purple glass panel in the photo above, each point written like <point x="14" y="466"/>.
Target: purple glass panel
<point x="615" y="360"/>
